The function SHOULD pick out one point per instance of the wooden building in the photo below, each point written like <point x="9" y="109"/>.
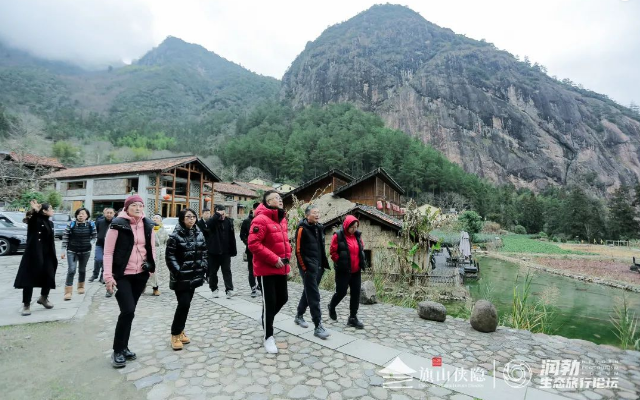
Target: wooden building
<point x="376" y="189"/>
<point x="167" y="185"/>
<point x="234" y="198"/>
<point x="22" y="171"/>
<point x="328" y="182"/>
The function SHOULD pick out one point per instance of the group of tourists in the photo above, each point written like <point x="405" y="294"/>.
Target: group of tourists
<point x="130" y="253"/>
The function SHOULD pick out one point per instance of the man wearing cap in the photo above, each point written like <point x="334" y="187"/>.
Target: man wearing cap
<point x="244" y="236"/>
<point x="221" y="245"/>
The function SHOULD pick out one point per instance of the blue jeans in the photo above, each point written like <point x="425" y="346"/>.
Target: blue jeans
<point x="72" y="260"/>
<point x="97" y="263"/>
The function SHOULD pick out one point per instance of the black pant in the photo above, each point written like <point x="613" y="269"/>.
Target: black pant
<point x="182" y="310"/>
<point x="215" y="263"/>
<point x="311" y="294"/>
<point x="274" y="297"/>
<point x="27" y="293"/>
<point x="130" y="287"/>
<point x="351" y="281"/>
<point x="252" y="278"/>
<point x="98" y="263"/>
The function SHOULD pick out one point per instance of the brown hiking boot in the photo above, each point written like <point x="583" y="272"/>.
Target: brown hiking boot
<point x="184" y="339"/>
<point x="176" y="344"/>
<point x="68" y="291"/>
<point x="45" y="302"/>
<point x="80" y="287"/>
<point x="156" y="292"/>
<point x="26" y="309"/>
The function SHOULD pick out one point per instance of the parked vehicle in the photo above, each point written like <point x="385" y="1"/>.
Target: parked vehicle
<point x="12" y="238"/>
<point x="169" y="224"/>
<point x="13" y="217"/>
<point x="60" y="222"/>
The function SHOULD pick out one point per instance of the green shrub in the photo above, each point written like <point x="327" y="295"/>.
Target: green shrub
<point x="520" y="230"/>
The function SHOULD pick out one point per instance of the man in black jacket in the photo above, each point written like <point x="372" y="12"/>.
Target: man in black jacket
<point x="244" y="236"/>
<point x="312" y="261"/>
<point x="102" y="226"/>
<point x="221" y="244"/>
<point x="202" y="223"/>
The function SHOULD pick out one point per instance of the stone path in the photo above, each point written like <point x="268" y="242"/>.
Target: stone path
<point x="11" y="299"/>
<point x="226" y="359"/>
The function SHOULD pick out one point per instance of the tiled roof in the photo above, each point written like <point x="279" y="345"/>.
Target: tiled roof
<point x="234" y="189"/>
<point x="378" y="171"/>
<point x="334" y="172"/>
<point x="252" y="186"/>
<point x="32" y="159"/>
<point x="371" y="212"/>
<point x="160" y="164"/>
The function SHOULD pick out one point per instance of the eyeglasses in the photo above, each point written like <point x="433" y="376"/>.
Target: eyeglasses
<point x="190" y="216"/>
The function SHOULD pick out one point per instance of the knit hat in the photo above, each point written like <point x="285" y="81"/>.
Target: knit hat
<point x="132" y="199"/>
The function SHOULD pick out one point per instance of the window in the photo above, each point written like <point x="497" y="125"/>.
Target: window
<point x="76" y="185"/>
<point x="132" y="185"/>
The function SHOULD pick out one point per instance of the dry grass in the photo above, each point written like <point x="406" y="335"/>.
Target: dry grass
<point x="608" y="269"/>
<point x="608" y="251"/>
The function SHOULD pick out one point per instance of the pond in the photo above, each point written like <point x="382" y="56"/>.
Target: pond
<point x="582" y="310"/>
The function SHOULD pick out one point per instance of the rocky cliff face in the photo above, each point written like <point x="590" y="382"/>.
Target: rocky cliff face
<point x="498" y="117"/>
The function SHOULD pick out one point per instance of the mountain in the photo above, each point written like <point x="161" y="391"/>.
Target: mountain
<point x="178" y="88"/>
<point x="497" y="117"/>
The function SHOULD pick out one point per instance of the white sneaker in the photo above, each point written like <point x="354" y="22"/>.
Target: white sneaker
<point x="229" y="294"/>
<point x="216" y="293"/>
<point x="270" y="345"/>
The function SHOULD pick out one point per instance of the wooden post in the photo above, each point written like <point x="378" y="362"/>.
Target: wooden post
<point x="188" y="185"/>
<point x="201" y="192"/>
<point x="173" y="193"/>
<point x="157" y="191"/>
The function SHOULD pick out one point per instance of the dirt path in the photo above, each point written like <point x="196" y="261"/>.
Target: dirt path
<point x="60" y="360"/>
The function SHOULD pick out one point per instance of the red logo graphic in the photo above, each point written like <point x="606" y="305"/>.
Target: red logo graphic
<point x="436" y="362"/>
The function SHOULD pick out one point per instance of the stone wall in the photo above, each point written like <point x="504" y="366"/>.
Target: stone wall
<point x="109" y="186"/>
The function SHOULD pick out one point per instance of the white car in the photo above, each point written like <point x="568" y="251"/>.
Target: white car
<point x="169" y="224"/>
<point x="13" y="217"/>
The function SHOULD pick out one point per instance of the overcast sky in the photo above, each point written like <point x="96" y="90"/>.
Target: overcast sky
<point x="593" y="42"/>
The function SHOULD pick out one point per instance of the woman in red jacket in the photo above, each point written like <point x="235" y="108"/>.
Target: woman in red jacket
<point x="347" y="253"/>
<point x="269" y="244"/>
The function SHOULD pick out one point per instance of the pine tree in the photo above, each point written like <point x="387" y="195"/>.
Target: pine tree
<point x="622" y="216"/>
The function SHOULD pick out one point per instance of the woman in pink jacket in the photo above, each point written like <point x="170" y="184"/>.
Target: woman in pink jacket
<point x="129" y="254"/>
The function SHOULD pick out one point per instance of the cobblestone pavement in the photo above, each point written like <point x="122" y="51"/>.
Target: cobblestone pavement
<point x="226" y="358"/>
<point x="460" y="345"/>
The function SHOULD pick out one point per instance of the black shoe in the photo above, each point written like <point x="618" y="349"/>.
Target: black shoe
<point x="353" y="322"/>
<point x="332" y="313"/>
<point x="93" y="278"/>
<point x="129" y="355"/>
<point x="118" y="360"/>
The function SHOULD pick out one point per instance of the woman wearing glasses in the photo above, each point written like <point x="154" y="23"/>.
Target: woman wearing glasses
<point x="186" y="258"/>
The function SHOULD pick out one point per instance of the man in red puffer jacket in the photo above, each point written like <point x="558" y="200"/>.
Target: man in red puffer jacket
<point x="269" y="244"/>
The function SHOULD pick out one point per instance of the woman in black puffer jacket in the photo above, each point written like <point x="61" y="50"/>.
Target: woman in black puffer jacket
<point x="186" y="257"/>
